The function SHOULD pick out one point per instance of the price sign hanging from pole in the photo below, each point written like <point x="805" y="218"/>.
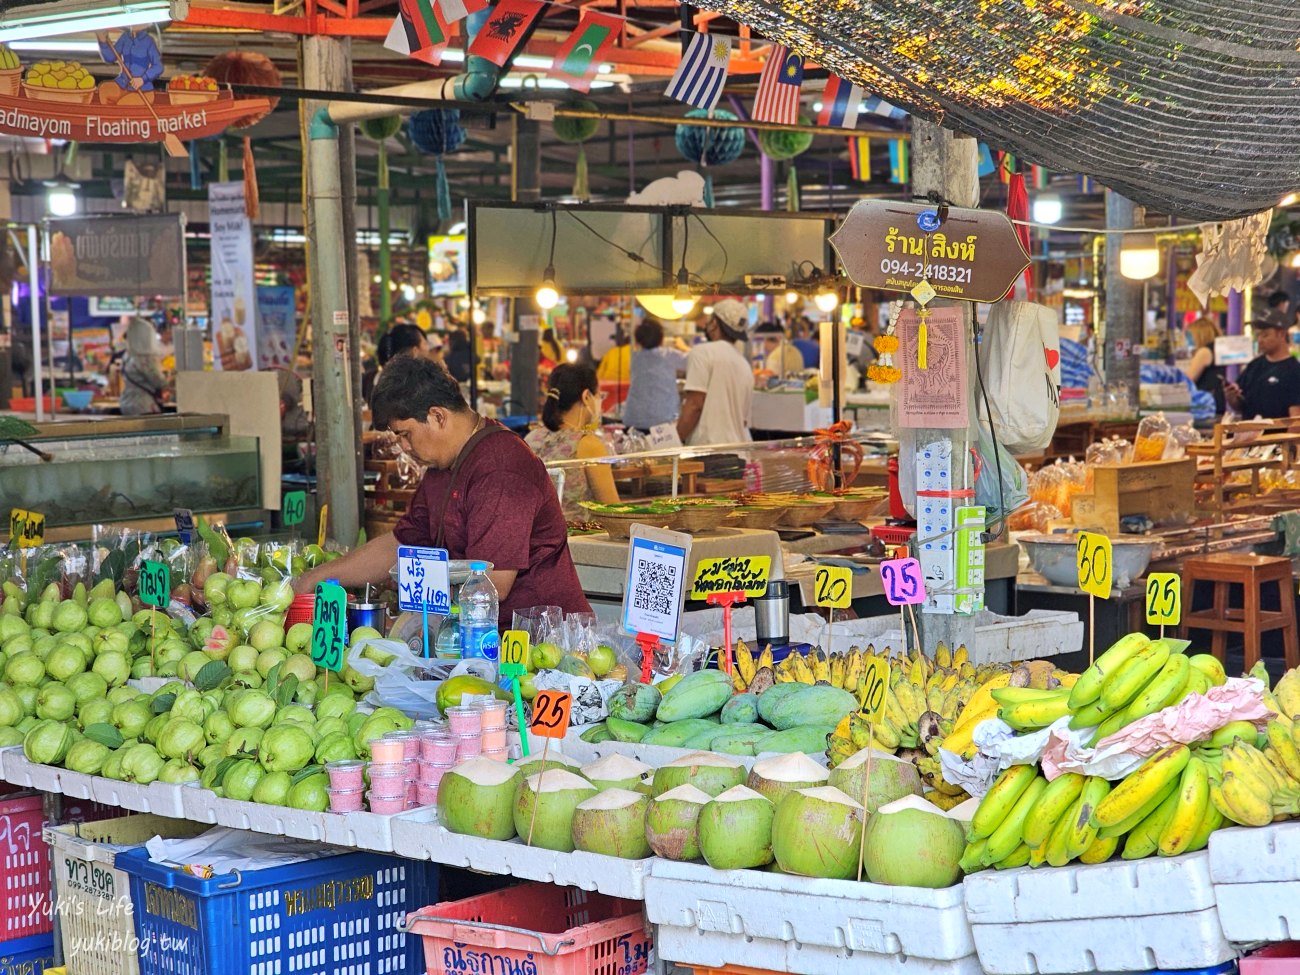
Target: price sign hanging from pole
<point x="1093" y="559"/>
<point x="1164" y="600"/>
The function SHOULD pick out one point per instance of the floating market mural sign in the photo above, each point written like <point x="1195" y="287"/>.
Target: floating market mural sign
<point x="971" y="255"/>
<point x="126" y="255"/>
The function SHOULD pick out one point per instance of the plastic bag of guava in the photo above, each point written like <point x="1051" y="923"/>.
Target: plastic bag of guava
<point x="391" y="674"/>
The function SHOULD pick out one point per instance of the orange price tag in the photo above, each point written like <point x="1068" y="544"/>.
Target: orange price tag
<point x="551" y="714"/>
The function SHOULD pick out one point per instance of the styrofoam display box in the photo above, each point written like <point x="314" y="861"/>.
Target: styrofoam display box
<point x="653" y="755"/>
<point x="1124" y="916"/>
<point x="1256" y="876"/>
<point x="712" y="918"/>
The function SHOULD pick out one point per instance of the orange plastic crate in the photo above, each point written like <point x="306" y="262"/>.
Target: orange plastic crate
<point x="730" y="970"/>
<point x="552" y="931"/>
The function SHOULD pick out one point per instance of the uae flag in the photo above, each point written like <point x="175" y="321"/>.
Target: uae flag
<point x="419" y="31"/>
<point x="577" y="60"/>
<point x="778" y="88"/>
<point x="456" y="10"/>
<point x="505" y="30"/>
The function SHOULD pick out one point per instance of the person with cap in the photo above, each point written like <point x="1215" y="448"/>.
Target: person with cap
<point x="781" y="358"/>
<point x="719" y="382"/>
<point x="1269" y="386"/>
<point x="143" y="382"/>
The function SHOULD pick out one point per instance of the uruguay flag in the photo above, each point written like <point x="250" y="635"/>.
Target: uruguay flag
<point x="841" y="102"/>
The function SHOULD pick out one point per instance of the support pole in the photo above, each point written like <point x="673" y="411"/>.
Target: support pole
<point x="33" y="284"/>
<point x="947" y="165"/>
<point x="1236" y="324"/>
<point x="385" y="252"/>
<point x="524" y="359"/>
<point x="1123" y="328"/>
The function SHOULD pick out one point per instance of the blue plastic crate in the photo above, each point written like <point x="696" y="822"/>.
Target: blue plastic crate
<point x="334" y="916"/>
<point x="27" y="956"/>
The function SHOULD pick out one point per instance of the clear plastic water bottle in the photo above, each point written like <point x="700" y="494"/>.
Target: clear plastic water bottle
<point x="446" y="645"/>
<point x="478" y="616"/>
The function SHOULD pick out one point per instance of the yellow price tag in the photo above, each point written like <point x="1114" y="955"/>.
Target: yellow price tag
<point x="1164" y="599"/>
<point x="1093" y="557"/>
<point x="833" y="587"/>
<point x="874" y="686"/>
<point x="26" y="527"/>
<point x="732" y="573"/>
<point x="514" y="647"/>
<point x="324" y="520"/>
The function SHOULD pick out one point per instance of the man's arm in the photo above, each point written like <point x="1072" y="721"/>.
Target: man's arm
<point x="369" y="563"/>
<point x="692" y="410"/>
<point x="504" y="580"/>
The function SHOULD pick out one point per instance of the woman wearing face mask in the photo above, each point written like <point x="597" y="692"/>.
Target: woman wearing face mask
<point x="571" y="414"/>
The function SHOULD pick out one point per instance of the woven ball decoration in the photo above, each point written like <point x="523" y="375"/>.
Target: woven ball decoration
<point x="779" y="144"/>
<point x="576" y="129"/>
<point x="380" y="129"/>
<point x="245" y="68"/>
<point x="709" y="145"/>
<point x="436" y="131"/>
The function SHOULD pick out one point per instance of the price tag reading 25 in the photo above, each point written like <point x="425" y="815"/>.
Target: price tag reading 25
<point x="329" y="626"/>
<point x="903" y="582"/>
<point x="1164" y="599"/>
<point x="1093" y="557"/>
<point x="551" y="711"/>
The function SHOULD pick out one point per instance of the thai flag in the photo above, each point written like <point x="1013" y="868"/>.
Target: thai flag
<point x="778" y="88"/>
<point x="841" y="102"/>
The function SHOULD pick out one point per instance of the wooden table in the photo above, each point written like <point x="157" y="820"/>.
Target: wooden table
<point x="636" y="475"/>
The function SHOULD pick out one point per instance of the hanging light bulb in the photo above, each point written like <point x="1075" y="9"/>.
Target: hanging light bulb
<point x="571" y="355"/>
<point x="1047" y="209"/>
<point x="791" y="297"/>
<point x="60" y="198"/>
<point x="683" y="302"/>
<point x="547" y="297"/>
<point x="478" y="315"/>
<point x="1139" y="257"/>
<point x="827" y="299"/>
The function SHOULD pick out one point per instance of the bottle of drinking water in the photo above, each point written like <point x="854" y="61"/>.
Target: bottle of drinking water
<point x="478" y="616"/>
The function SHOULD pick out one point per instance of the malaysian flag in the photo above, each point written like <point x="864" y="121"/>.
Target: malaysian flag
<point x="841" y="102"/>
<point x="875" y="105"/>
<point x="700" y="77"/>
<point x="778" y="88"/>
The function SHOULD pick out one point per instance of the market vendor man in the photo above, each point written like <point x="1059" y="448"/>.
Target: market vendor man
<point x="485" y="496"/>
<point x="1269" y="386"/>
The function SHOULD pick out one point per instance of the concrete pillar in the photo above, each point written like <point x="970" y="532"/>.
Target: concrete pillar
<point x="524" y="357"/>
<point x="1122" y="335"/>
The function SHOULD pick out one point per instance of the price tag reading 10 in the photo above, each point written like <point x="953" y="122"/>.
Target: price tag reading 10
<point x="1164" y="599"/>
<point x="514" y="647"/>
<point x="1093" y="556"/>
<point x="155" y="584"/>
<point x="551" y="710"/>
<point x="833" y="587"/>
<point x="329" y="626"/>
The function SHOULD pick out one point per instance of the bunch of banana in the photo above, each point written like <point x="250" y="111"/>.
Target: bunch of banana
<point x="1253" y="787"/>
<point x="1038" y="679"/>
<point x="757" y="674"/>
<point x="1136" y="677"/>
<point x="1284" y="699"/>
<point x="1028" y="709"/>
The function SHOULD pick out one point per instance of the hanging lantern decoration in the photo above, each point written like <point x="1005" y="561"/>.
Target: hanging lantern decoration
<point x="707" y="145"/>
<point x="438" y="132"/>
<point x="246" y="68"/>
<point x="782" y="145"/>
<point x="576" y="131"/>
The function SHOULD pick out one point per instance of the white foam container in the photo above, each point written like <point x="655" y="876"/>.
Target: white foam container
<point x="159" y="798"/>
<point x="781" y="923"/>
<point x="655" y="756"/>
<point x="1124" y="916"/>
<point x="276" y="820"/>
<point x="1256" y="876"/>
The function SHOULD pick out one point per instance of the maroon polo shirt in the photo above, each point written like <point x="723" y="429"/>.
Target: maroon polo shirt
<point x="503" y="510"/>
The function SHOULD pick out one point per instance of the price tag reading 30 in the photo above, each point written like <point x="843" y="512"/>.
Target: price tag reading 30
<point x="833" y="587"/>
<point x="329" y="626"/>
<point x="423" y="580"/>
<point x="1093" y="557"/>
<point x="551" y="711"/>
<point x="1164" y="599"/>
<point x="155" y="584"/>
<point x="903" y="582"/>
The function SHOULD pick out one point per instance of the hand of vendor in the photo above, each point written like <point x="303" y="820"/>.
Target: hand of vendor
<point x="368" y="564"/>
<point x="1232" y="393"/>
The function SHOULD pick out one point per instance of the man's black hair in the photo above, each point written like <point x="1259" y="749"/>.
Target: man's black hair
<point x="1277" y="299"/>
<point x="409" y="387"/>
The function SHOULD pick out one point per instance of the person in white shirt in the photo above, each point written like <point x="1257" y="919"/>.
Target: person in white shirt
<point x="719" y="382"/>
<point x="780" y="358"/>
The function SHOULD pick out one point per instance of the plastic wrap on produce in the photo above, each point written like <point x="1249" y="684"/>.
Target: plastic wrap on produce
<point x="590" y="697"/>
<point x="224" y="850"/>
<point x="407" y="682"/>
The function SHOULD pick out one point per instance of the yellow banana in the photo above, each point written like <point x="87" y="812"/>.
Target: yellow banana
<point x="1283" y="745"/>
<point x="884" y="732"/>
<point x="1287" y="694"/>
<point x="1100" y="851"/>
<point x="1007" y="696"/>
<point x="1032" y="715"/>
<point x="738" y="680"/>
<point x="1127" y="682"/>
<point x="1140" y="785"/>
<point x="853" y="668"/>
<point x="1144" y="839"/>
<point x="960" y="657"/>
<point x="1000" y="800"/>
<point x="1241" y="802"/>
<point x="821" y="666"/>
<point x="912" y="701"/>
<point x="1211" y="821"/>
<point x="764" y="659"/>
<point x="942" y="655"/>
<point x="1088" y="687"/>
<point x="1189" y="810"/>
<point x="916" y="671"/>
<point x="1058" y="842"/>
<point x="966" y="670"/>
<point x="745" y="662"/>
<point x="1120" y="829"/>
<point x="1249" y="764"/>
<point x="1054" y="802"/>
<point x="1165" y="688"/>
<point x="1018" y="858"/>
<point x="838" y="670"/>
<point x="1007" y="837"/>
<point x="860" y="729"/>
<point x="982" y="699"/>
<point x="1038" y="854"/>
<point x="1079" y="829"/>
<point x="1209" y="665"/>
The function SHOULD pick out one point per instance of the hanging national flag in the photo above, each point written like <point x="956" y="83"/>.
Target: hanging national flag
<point x="841" y="101"/>
<point x="875" y="105"/>
<point x="700" y="77"/>
<point x="1007" y="166"/>
<point x="900" y="163"/>
<point x="1087" y="184"/>
<point x="987" y="167"/>
<point x="456" y="10"/>
<point x="1038" y="177"/>
<point x="579" y="57"/>
<point x="778" y="88"/>
<point x="503" y="32"/>
<point x="419" y="31"/>
<point x="860" y="158"/>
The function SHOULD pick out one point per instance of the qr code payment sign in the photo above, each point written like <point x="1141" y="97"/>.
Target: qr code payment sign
<point x="655" y="586"/>
<point x="654" y="593"/>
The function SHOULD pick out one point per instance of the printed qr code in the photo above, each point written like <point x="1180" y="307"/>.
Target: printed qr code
<point x="655" y="584"/>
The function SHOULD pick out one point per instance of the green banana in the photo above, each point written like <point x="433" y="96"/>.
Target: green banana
<point x="1164" y="689"/>
<point x="1088" y="687"/>
<point x="1127" y="682"/>
<point x="1054" y="802"/>
<point x="1145" y="837"/>
<point x="1007" y="838"/>
<point x="1033" y="715"/>
<point x="1090" y="715"/>
<point x="1000" y="800"/>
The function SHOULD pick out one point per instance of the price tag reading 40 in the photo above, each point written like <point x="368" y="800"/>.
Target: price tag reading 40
<point x="874" y="686"/>
<point x="155" y="584"/>
<point x="1093" y="557"/>
<point x="551" y="710"/>
<point x="1164" y="599"/>
<point x="903" y="582"/>
<point x="833" y="587"/>
<point x="514" y="647"/>
<point x="329" y="626"/>
<point x="294" y="508"/>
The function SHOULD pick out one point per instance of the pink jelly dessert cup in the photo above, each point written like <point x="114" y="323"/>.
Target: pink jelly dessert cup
<point x="348" y="774"/>
<point x="387" y="805"/>
<point x="387" y="750"/>
<point x="346" y="800"/>
<point x="465" y="720"/>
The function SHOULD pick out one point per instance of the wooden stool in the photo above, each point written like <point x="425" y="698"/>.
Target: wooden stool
<point x="1251" y="572"/>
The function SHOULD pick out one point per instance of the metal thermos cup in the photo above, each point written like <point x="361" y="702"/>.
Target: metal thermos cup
<point x="366" y="614"/>
<point x="772" y="613"/>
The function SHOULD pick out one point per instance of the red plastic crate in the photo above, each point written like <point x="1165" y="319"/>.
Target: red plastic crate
<point x="1278" y="959"/>
<point x="24" y="870"/>
<point x="553" y="931"/>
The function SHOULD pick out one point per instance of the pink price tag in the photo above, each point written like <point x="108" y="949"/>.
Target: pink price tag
<point x="903" y="583"/>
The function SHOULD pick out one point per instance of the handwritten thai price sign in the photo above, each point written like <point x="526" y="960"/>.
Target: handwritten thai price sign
<point x="833" y="587"/>
<point x="26" y="527"/>
<point x="1164" y="599"/>
<point x="971" y="255"/>
<point x="155" y="584"/>
<point x="903" y="582"/>
<point x="1093" y="557"/>
<point x="551" y="711"/>
<point x="732" y="573"/>
<point x="874" y="685"/>
<point x="184" y="518"/>
<point x="329" y="626"/>
<point x="514" y="647"/>
<point x="423" y="580"/>
<point x="293" y="509"/>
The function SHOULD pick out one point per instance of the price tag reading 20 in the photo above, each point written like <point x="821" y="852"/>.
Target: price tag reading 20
<point x="1164" y="599"/>
<point x="551" y="710"/>
<point x="329" y="626"/>
<point x="1093" y="556"/>
<point x="833" y="587"/>
<point x="903" y="582"/>
<point x="874" y="686"/>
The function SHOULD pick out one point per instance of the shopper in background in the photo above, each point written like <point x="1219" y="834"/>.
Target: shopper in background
<point x="1201" y="369"/>
<point x="616" y="364"/>
<point x="484" y="495"/>
<point x="571" y="418"/>
<point x="1270" y="385"/>
<point x="780" y="357"/>
<point x="1280" y="309"/>
<point x="652" y="398"/>
<point x="406" y="339"/>
<point x="804" y="338"/>
<point x="550" y="352"/>
<point x="143" y="383"/>
<point x="459" y="356"/>
<point x="719" y="382"/>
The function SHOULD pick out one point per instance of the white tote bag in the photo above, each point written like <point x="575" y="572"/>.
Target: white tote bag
<point x="1020" y="356"/>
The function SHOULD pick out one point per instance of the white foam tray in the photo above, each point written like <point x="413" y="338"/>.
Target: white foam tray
<point x="159" y="798"/>
<point x="652" y="755"/>
<point x="1110" y="917"/>
<point x="1256" y="874"/>
<point x="867" y="922"/>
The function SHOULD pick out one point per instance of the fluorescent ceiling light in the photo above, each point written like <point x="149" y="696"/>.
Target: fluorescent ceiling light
<point x="515" y="81"/>
<point x="61" y="47"/>
<point x="1047" y="208"/>
<point x="525" y="61"/>
<point x="79" y="16"/>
